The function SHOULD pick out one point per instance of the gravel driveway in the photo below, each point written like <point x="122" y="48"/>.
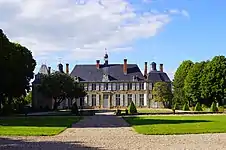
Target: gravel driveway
<point x="106" y="131"/>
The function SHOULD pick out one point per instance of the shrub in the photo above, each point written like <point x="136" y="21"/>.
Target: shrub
<point x="192" y="108"/>
<point x="198" y="107"/>
<point x="118" y="112"/>
<point x="186" y="107"/>
<point x="126" y="111"/>
<point x="204" y="107"/>
<point x="213" y="107"/>
<point x="221" y="109"/>
<point x="74" y="109"/>
<point x="132" y="108"/>
<point x="175" y="106"/>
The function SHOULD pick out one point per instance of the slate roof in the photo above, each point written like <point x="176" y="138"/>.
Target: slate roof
<point x="90" y="73"/>
<point x="157" y="76"/>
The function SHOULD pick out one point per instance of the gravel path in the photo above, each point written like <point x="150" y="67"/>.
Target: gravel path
<point x="106" y="131"/>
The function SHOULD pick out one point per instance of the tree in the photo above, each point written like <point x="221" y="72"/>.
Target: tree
<point x="162" y="93"/>
<point x="60" y="87"/>
<point x="192" y="82"/>
<point x="132" y="108"/>
<point x="198" y="107"/>
<point x="178" y="82"/>
<point x="17" y="66"/>
<point x="213" y="107"/>
<point x="213" y="81"/>
<point x="186" y="107"/>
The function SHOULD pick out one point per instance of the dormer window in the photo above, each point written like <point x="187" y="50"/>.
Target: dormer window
<point x="76" y="79"/>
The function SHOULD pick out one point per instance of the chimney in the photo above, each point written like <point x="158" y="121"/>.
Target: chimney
<point x="145" y="69"/>
<point x="161" y="67"/>
<point x="125" y="66"/>
<point x="67" y="68"/>
<point x="153" y="66"/>
<point x="98" y="64"/>
<point x="49" y="70"/>
<point x="60" y="66"/>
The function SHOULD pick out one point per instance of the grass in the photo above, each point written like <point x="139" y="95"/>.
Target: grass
<point x="168" y="125"/>
<point x="36" y="125"/>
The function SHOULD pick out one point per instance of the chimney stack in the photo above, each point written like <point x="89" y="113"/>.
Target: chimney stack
<point x="98" y="64"/>
<point x="153" y="66"/>
<point x="67" y="68"/>
<point x="49" y="70"/>
<point x="125" y="66"/>
<point x="60" y="66"/>
<point x="145" y="69"/>
<point x="161" y="67"/>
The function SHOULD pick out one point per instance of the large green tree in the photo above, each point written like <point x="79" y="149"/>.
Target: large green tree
<point x="162" y="93"/>
<point x="60" y="87"/>
<point x="192" y="82"/>
<point x="178" y="82"/>
<point x="17" y="66"/>
<point x="213" y="82"/>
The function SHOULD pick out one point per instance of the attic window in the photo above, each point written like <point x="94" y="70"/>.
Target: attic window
<point x="76" y="79"/>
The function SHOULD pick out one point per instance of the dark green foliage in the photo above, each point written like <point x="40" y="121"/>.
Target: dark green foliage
<point x="178" y="82"/>
<point x="60" y="86"/>
<point x="126" y="111"/>
<point x="186" y="107"/>
<point x="162" y="93"/>
<point x="198" y="107"/>
<point x="74" y="109"/>
<point x="132" y="108"/>
<point x="213" y="82"/>
<point x="213" y="107"/>
<point x="192" y="82"/>
<point x="17" y="66"/>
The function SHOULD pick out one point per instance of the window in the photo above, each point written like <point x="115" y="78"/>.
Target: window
<point x="129" y="86"/>
<point x="141" y="99"/>
<point x="106" y="86"/>
<point x="142" y="86"/>
<point x="124" y="103"/>
<point x="93" y="100"/>
<point x="88" y="100"/>
<point x="117" y="99"/>
<point x="117" y="86"/>
<point x="129" y="98"/>
<point x="86" y="86"/>
<point x="93" y="86"/>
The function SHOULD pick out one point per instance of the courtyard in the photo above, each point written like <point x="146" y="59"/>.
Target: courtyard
<point x="107" y="131"/>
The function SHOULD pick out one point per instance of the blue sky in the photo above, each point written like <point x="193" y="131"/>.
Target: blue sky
<point x="164" y="31"/>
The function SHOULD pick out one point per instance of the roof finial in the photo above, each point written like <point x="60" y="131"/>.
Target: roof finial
<point x="105" y="50"/>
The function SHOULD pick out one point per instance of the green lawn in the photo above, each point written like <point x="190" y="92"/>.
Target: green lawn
<point x="36" y="126"/>
<point x="178" y="124"/>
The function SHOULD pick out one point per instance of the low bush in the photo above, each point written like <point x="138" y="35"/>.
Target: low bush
<point x="213" y="107"/>
<point x="198" y="107"/>
<point x="132" y="108"/>
<point x="186" y="107"/>
<point x="221" y="109"/>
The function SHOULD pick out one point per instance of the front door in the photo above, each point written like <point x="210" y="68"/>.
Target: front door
<point x="105" y="100"/>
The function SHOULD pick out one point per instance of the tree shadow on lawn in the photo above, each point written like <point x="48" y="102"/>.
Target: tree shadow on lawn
<point x="12" y="144"/>
<point x="137" y="121"/>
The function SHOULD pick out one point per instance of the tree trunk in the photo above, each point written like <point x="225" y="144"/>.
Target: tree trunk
<point x="55" y="106"/>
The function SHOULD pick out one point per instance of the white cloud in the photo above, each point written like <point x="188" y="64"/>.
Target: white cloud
<point x="82" y="29"/>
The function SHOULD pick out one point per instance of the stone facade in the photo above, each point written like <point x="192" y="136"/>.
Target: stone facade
<point x="109" y="85"/>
